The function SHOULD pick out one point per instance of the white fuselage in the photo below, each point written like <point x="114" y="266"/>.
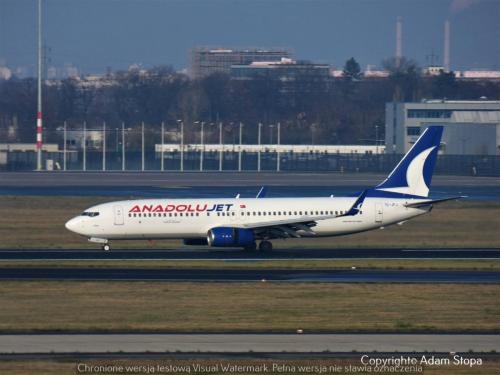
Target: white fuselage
<point x="193" y="218"/>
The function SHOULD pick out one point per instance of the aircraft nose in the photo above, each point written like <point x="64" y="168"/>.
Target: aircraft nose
<point x="74" y="224"/>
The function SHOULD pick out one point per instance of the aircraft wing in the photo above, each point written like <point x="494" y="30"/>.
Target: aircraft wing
<point x="431" y="202"/>
<point x="287" y="228"/>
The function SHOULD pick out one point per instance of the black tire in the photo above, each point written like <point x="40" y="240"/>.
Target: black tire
<point x="106" y="247"/>
<point x="265" y="246"/>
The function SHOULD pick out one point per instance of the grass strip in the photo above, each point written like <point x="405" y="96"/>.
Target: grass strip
<point x="384" y="264"/>
<point x="247" y="307"/>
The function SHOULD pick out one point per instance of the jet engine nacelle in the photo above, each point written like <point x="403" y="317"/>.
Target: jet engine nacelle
<point x="226" y="237"/>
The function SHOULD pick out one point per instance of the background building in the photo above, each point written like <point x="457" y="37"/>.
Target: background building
<point x="208" y="61"/>
<point x="301" y="76"/>
<point x="470" y="127"/>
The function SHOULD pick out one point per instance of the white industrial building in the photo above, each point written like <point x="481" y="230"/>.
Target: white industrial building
<point x="470" y="127"/>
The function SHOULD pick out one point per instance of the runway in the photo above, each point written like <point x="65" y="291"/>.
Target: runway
<point x="239" y="255"/>
<point x="251" y="275"/>
<point x="241" y="343"/>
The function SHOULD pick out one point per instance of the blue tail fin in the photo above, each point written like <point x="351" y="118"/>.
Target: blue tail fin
<point x="413" y="174"/>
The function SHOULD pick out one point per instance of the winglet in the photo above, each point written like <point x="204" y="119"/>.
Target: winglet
<point x="356" y="207"/>
<point x="262" y="192"/>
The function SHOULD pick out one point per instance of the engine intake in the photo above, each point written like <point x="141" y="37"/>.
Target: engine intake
<point x="226" y="237"/>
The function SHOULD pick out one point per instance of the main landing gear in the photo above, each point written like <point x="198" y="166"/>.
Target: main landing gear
<point x="265" y="246"/>
<point x="106" y="247"/>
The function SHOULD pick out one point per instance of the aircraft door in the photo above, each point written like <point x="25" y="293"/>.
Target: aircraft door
<point x="118" y="211"/>
<point x="379" y="212"/>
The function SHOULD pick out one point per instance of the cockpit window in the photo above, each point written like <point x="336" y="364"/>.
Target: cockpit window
<point x="90" y="213"/>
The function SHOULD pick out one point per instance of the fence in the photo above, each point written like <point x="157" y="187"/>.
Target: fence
<point x="151" y="161"/>
<point x="85" y="148"/>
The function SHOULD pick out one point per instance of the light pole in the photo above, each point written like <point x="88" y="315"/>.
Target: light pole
<point x="239" y="151"/>
<point x="221" y="151"/>
<point x="278" y="148"/>
<point x="142" y="146"/>
<point x="258" y="151"/>
<point x="84" y="146"/>
<point x="65" y="142"/>
<point x="202" y="143"/>
<point x="376" y="139"/>
<point x="39" y="97"/>
<point x="123" y="146"/>
<point x="162" y="144"/>
<point x="104" y="145"/>
<point x="182" y="144"/>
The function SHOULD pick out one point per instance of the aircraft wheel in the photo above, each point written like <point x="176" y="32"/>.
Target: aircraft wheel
<point x="251" y="247"/>
<point x="106" y="247"/>
<point x="265" y="246"/>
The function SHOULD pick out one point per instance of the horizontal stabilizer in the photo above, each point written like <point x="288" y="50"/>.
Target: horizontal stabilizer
<point x="430" y="202"/>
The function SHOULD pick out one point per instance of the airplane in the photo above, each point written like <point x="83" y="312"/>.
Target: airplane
<point x="242" y="222"/>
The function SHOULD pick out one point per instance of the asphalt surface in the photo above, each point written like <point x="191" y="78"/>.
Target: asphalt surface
<point x="252" y="275"/>
<point x="238" y="254"/>
<point x="174" y="179"/>
<point x="239" y="343"/>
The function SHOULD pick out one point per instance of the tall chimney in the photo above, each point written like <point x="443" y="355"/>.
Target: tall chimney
<point x="399" y="39"/>
<point x="446" y="58"/>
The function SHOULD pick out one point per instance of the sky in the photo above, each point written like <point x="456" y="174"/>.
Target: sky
<point x="96" y="34"/>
